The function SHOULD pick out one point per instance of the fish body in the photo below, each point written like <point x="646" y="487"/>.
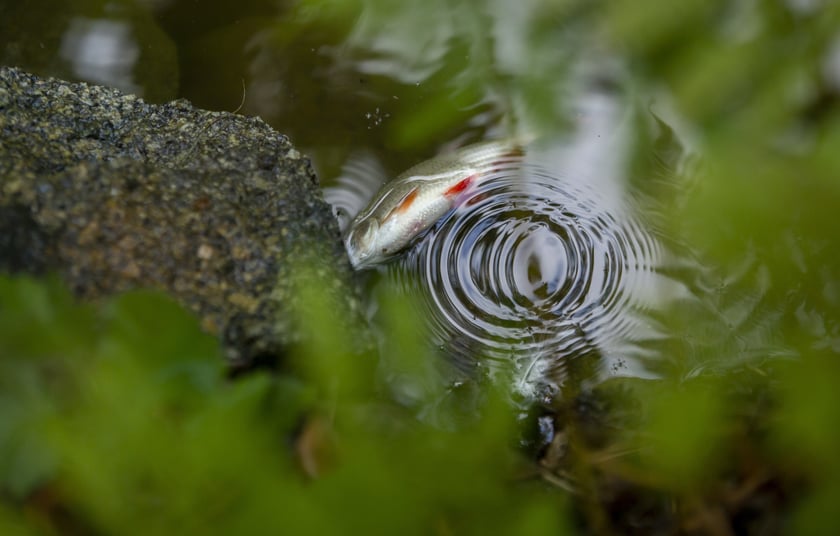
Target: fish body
<point x="417" y="198"/>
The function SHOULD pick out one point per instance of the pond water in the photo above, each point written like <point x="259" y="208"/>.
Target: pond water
<point x="562" y="260"/>
<point x="548" y="268"/>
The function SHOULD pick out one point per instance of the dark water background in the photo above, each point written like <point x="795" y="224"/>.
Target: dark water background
<point x="403" y="82"/>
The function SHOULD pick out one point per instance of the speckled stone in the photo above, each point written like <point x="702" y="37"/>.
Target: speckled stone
<point x="216" y="209"/>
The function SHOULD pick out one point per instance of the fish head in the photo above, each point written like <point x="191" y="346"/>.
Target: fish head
<point x="370" y="241"/>
<point x="361" y="243"/>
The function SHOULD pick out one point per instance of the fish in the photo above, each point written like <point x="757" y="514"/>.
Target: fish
<point x="419" y="197"/>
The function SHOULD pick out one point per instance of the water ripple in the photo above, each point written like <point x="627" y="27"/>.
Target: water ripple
<point x="535" y="274"/>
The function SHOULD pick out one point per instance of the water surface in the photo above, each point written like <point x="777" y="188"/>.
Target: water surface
<point x="560" y="268"/>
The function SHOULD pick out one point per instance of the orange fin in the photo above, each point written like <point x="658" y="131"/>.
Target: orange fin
<point x="404" y="204"/>
<point x="459" y="186"/>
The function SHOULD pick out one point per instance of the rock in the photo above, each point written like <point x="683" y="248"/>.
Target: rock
<point x="216" y="209"/>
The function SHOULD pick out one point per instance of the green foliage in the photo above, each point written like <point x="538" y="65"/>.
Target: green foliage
<point x="808" y="404"/>
<point x="121" y="414"/>
<point x="681" y="440"/>
<point x="807" y="442"/>
<point x="134" y="428"/>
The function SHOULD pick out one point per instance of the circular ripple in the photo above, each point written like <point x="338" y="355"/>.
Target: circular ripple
<point x="360" y="177"/>
<point x="536" y="274"/>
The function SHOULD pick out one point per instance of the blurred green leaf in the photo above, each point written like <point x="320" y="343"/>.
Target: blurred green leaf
<point x="648" y="26"/>
<point x="818" y="513"/>
<point x="40" y="320"/>
<point x="156" y="326"/>
<point x="682" y="437"/>
<point x="809" y="413"/>
<point x="144" y="444"/>
<point x="12" y="524"/>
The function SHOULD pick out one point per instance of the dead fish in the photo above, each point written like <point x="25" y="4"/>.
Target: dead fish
<point x="411" y="203"/>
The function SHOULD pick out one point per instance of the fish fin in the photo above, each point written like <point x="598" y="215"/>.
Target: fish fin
<point x="404" y="204"/>
<point x="459" y="186"/>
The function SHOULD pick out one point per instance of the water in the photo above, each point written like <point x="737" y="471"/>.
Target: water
<point x="554" y="270"/>
<point x="536" y="272"/>
<point x="548" y="270"/>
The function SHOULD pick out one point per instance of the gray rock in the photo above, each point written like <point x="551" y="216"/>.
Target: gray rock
<point x="216" y="209"/>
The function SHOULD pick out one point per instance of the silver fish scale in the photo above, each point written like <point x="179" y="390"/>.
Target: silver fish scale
<point x="379" y="231"/>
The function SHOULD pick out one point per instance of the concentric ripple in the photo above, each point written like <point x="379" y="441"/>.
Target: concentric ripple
<point x="360" y="177"/>
<point x="538" y="276"/>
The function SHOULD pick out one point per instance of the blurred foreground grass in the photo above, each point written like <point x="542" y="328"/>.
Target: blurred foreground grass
<point x="119" y="420"/>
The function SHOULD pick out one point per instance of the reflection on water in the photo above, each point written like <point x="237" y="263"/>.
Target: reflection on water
<point x="534" y="273"/>
<point x="557" y="270"/>
<point x="550" y="260"/>
<point x="102" y="51"/>
<point x="546" y="270"/>
<point x="360" y="177"/>
<point x="107" y="42"/>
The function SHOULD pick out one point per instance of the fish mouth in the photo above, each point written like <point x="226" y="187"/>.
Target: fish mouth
<point x="361" y="263"/>
<point x="363" y="259"/>
<point x="357" y="242"/>
<point x="356" y="262"/>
